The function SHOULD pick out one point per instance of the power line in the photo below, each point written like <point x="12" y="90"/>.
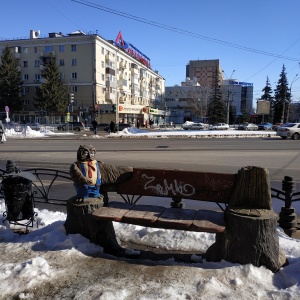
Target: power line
<point x="181" y="31"/>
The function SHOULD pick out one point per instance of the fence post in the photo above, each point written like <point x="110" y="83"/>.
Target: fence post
<point x="287" y="215"/>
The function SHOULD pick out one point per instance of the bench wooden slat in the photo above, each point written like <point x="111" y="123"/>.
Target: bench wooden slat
<point x="176" y="218"/>
<point x="113" y="212"/>
<point x="143" y="214"/>
<point x="209" y="221"/>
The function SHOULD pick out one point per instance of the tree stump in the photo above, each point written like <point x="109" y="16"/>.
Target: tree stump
<point x="250" y="235"/>
<point x="79" y="220"/>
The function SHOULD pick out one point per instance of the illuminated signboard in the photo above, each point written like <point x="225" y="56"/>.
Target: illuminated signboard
<point x="134" y="52"/>
<point x="241" y="83"/>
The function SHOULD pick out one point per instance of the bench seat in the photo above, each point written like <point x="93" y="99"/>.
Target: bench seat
<point x="162" y="217"/>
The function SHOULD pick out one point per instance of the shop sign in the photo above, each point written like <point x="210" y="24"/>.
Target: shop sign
<point x="130" y="109"/>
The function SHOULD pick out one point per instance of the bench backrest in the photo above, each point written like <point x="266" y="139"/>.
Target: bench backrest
<point x="214" y="187"/>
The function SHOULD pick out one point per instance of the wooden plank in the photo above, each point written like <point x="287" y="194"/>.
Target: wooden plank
<point x="176" y="218"/>
<point x="143" y="215"/>
<point x="214" y="187"/>
<point x="113" y="212"/>
<point x="208" y="221"/>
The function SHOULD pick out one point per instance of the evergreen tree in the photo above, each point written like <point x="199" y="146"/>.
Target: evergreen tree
<point x="216" y="111"/>
<point x="267" y="95"/>
<point x="51" y="96"/>
<point x="10" y="82"/>
<point x="282" y="98"/>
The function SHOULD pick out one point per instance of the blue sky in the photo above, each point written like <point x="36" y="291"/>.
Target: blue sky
<point x="269" y="26"/>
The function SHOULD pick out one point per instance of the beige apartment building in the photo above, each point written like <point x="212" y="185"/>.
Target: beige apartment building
<point x="109" y="80"/>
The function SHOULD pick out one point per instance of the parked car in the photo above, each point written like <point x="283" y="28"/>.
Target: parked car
<point x="15" y="126"/>
<point x="220" y="126"/>
<point x="120" y="126"/>
<point x="265" y="126"/>
<point x="100" y="127"/>
<point x="275" y="126"/>
<point x="247" y="126"/>
<point x="188" y="125"/>
<point x="34" y="126"/>
<point x="77" y="126"/>
<point x="289" y="130"/>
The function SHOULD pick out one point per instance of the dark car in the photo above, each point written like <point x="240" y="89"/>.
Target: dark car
<point x="120" y="126"/>
<point x="265" y="126"/>
<point x="77" y="126"/>
<point x="101" y="127"/>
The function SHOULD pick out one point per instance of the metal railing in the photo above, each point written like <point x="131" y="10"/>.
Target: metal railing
<point x="55" y="187"/>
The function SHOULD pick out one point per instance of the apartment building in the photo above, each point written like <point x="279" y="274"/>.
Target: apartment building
<point x="109" y="80"/>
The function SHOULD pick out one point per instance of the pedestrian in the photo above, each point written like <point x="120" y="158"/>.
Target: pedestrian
<point x="138" y="125"/>
<point x="2" y="132"/>
<point x="112" y="126"/>
<point x="94" y="124"/>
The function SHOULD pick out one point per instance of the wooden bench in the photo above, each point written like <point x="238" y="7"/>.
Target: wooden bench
<point x="245" y="227"/>
<point x="176" y="185"/>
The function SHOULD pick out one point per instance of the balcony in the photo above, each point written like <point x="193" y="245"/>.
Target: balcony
<point x="17" y="55"/>
<point x="47" y="54"/>
<point x="143" y="94"/>
<point x="110" y="83"/>
<point x="110" y="96"/>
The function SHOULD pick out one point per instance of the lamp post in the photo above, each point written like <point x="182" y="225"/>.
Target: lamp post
<point x="289" y="103"/>
<point x="228" y="95"/>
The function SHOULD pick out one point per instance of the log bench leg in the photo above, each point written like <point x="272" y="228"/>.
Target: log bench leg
<point x="249" y="239"/>
<point x="79" y="220"/>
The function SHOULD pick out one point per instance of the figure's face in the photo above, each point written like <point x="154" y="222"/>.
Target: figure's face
<point x="86" y="153"/>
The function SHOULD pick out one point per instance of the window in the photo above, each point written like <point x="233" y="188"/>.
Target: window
<point x="74" y="62"/>
<point x="61" y="62"/>
<point x="25" y="90"/>
<point x="62" y="76"/>
<point x="102" y="50"/>
<point x="35" y="49"/>
<point x="102" y="64"/>
<point x="26" y="102"/>
<point x="36" y="63"/>
<point x="37" y="76"/>
<point x="25" y="50"/>
<point x="74" y="75"/>
<point x="74" y="88"/>
<point x="73" y="48"/>
<point x="48" y="49"/>
<point x="102" y="76"/>
<point x="25" y="77"/>
<point x="25" y="64"/>
<point x="61" y="48"/>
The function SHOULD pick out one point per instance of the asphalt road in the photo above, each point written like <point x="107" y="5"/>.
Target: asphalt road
<point x="280" y="157"/>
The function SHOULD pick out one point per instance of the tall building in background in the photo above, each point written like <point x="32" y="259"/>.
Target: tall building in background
<point x="204" y="71"/>
<point x="200" y="76"/>
<point x="109" y="80"/>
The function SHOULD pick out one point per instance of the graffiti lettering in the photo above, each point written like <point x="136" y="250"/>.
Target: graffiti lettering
<point x="166" y="188"/>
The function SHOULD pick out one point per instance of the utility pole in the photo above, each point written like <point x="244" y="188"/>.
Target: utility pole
<point x="289" y="103"/>
<point x="228" y="95"/>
